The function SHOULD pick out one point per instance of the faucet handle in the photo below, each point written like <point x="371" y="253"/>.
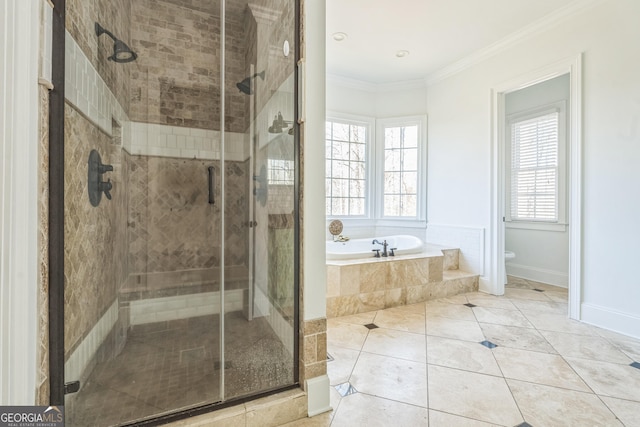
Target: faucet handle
<point x="391" y="250"/>
<point x="377" y="251"/>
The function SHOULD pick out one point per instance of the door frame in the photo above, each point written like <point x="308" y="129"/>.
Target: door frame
<point x="573" y="67"/>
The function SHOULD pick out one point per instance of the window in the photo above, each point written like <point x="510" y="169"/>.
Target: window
<point x="536" y="172"/>
<point x="400" y="189"/>
<point x="281" y="172"/>
<point x="379" y="176"/>
<point x="346" y="167"/>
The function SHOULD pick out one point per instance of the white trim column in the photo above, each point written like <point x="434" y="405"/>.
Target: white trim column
<point x="313" y="209"/>
<point x="19" y="62"/>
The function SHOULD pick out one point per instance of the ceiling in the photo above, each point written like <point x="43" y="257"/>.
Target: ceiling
<point x="436" y="33"/>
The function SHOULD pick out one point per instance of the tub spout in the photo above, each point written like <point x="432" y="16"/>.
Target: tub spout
<point x="384" y="246"/>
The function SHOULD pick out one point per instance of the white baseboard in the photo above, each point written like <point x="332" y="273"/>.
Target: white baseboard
<point x="318" y="398"/>
<point x="556" y="278"/>
<point x="617" y="321"/>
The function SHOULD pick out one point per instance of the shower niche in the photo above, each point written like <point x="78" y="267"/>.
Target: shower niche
<point x="181" y="291"/>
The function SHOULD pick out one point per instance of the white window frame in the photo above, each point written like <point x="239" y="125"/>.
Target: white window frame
<point x="369" y="123"/>
<point x="420" y="219"/>
<point x="559" y="107"/>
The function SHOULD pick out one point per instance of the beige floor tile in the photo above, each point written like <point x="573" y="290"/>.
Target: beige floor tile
<point x="614" y="336"/>
<point x="627" y="411"/>
<point x="629" y="347"/>
<point x="542" y="306"/>
<point x="402" y="319"/>
<point x="468" y="356"/>
<point x="390" y="378"/>
<point x="490" y="301"/>
<point x="363" y="410"/>
<point x="357" y="319"/>
<point x="456" y="329"/>
<point x="609" y="379"/>
<point x="411" y="308"/>
<point x="557" y="323"/>
<point x="557" y="296"/>
<point x="515" y="337"/>
<point x="438" y="308"/>
<point x="322" y="420"/>
<point x="517" y="282"/>
<point x="346" y="335"/>
<point x="528" y="294"/>
<point x="442" y="419"/>
<point x="477" y="396"/>
<point x="340" y="368"/>
<point x="547" y="287"/>
<point x="549" y="406"/>
<point x="392" y="343"/>
<point x="456" y="299"/>
<point x="539" y="368"/>
<point x="498" y="316"/>
<point x="585" y="347"/>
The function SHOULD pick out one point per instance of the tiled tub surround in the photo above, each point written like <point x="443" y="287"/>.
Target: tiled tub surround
<point x="357" y="286"/>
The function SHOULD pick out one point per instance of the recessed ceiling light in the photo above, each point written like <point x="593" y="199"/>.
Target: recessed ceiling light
<point x="402" y="53"/>
<point x="339" y="36"/>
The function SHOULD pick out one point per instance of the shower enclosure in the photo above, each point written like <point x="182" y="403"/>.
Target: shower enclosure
<point x="181" y="221"/>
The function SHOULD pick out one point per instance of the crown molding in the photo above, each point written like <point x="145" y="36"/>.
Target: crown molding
<point x="364" y="86"/>
<point x="526" y="32"/>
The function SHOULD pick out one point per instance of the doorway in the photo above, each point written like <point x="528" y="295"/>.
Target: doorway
<point x="502" y="191"/>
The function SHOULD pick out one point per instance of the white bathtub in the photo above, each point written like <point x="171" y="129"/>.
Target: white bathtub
<point x="362" y="248"/>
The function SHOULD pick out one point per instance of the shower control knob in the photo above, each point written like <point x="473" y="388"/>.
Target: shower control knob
<point x="106" y="187"/>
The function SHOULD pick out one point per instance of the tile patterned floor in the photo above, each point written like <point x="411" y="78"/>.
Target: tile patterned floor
<point x="175" y="365"/>
<point x="424" y="365"/>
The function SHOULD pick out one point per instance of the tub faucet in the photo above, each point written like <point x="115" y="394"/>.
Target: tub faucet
<point x="384" y="246"/>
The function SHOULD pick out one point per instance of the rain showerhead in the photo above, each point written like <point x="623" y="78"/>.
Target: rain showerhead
<point x="245" y="85"/>
<point x="121" y="52"/>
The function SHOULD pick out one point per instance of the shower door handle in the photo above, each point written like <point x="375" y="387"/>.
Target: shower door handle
<point x="211" y="170"/>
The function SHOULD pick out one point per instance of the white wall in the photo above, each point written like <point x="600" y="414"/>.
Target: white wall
<point x="541" y="255"/>
<point x="459" y="180"/>
<point x="377" y="101"/>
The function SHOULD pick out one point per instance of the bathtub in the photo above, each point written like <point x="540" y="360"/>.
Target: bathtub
<point x="362" y="248"/>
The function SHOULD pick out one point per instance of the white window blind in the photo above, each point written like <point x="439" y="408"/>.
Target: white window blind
<point x="534" y="168"/>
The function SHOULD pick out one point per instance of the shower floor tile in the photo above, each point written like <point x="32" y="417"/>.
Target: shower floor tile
<point x="176" y="365"/>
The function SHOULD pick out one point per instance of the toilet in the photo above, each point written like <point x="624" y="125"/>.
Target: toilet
<point x="508" y="256"/>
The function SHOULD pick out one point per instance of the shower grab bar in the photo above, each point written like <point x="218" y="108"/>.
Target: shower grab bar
<point x="211" y="171"/>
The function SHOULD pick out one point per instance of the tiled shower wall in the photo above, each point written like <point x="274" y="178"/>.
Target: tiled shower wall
<point x="172" y="226"/>
<point x="114" y="15"/>
<point x="177" y="77"/>
<point x="95" y="238"/>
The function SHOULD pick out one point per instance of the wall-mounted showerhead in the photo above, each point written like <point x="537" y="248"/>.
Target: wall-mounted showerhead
<point x="121" y="52"/>
<point x="245" y="85"/>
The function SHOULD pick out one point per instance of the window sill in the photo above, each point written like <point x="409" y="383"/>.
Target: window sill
<point x="542" y="226"/>
<point x="370" y="222"/>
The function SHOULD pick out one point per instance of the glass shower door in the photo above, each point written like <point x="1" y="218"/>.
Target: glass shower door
<point x="259" y="145"/>
<point x="143" y="266"/>
<point x="180" y="286"/>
